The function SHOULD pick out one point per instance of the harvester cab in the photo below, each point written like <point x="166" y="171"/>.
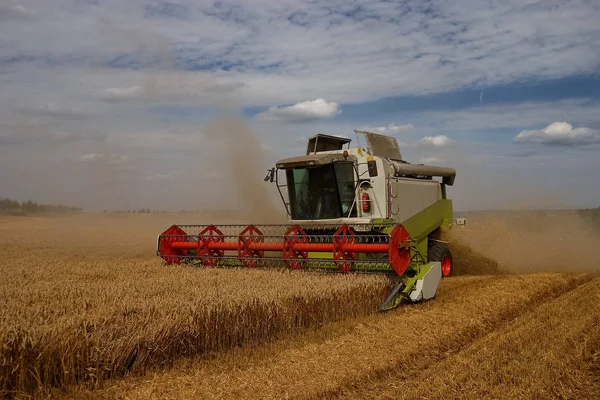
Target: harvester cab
<point x="350" y="210"/>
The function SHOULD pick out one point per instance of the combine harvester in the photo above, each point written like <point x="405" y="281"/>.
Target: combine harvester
<point x="351" y="210"/>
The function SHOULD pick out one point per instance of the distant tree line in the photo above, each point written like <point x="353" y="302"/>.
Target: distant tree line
<point x="8" y="205"/>
<point x="152" y="211"/>
<point x="140" y="211"/>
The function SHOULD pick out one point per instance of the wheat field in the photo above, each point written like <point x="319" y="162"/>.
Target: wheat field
<point x="482" y="338"/>
<point x="89" y="311"/>
<point x="81" y="306"/>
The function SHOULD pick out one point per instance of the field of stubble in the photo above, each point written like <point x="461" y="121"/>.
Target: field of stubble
<point x="88" y="311"/>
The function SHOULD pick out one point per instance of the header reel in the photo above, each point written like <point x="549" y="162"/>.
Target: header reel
<point x="355" y="248"/>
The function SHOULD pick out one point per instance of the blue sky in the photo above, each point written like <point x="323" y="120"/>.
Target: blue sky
<point x="111" y="104"/>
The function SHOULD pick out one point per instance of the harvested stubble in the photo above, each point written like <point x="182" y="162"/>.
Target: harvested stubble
<point x="344" y="358"/>
<point x="551" y="352"/>
<point x="87" y="315"/>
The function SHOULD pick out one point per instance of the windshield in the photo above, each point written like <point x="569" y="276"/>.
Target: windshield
<point x="322" y="192"/>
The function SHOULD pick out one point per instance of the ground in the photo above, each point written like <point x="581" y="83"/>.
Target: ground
<point x="89" y="311"/>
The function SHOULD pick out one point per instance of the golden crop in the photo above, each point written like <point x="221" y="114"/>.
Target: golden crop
<point x="530" y="336"/>
<point x="84" y="300"/>
<point x="80" y="307"/>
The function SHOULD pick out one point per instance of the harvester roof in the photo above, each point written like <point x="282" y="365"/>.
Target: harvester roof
<point x="312" y="160"/>
<point x="325" y="149"/>
<point x="321" y="142"/>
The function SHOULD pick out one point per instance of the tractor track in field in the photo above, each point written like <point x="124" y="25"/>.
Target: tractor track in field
<point x="407" y="367"/>
<point x="371" y="385"/>
<point x="360" y="353"/>
<point x="566" y="358"/>
<point x="466" y="284"/>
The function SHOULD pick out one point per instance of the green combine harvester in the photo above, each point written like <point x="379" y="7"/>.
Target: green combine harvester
<point x="350" y="210"/>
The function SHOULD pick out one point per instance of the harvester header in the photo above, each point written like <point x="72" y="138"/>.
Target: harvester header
<point x="350" y="210"/>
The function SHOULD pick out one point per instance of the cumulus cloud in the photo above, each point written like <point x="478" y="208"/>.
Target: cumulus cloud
<point x="90" y="157"/>
<point x="435" y="141"/>
<point x="390" y="129"/>
<point x="431" y="160"/>
<point x="310" y="110"/>
<point x="560" y="134"/>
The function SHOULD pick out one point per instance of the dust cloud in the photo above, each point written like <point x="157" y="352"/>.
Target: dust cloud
<point x="470" y="262"/>
<point x="241" y="159"/>
<point x="527" y="242"/>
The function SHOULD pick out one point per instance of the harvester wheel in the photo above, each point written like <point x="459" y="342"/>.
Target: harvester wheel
<point x="440" y="252"/>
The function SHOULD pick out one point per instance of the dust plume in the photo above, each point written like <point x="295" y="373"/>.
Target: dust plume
<point x="532" y="241"/>
<point x="241" y="160"/>
<point x="470" y="262"/>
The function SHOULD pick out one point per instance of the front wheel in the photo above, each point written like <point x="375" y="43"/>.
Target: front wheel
<point x="441" y="253"/>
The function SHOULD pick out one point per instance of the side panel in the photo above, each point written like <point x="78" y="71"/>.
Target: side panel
<point x="411" y="196"/>
<point x="438" y="215"/>
<point x="428" y="220"/>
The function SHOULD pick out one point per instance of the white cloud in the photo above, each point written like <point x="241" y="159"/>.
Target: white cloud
<point x="306" y="111"/>
<point x="431" y="160"/>
<point x="559" y="133"/>
<point x="284" y="53"/>
<point x="390" y="129"/>
<point x="435" y="141"/>
<point x="90" y="157"/>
